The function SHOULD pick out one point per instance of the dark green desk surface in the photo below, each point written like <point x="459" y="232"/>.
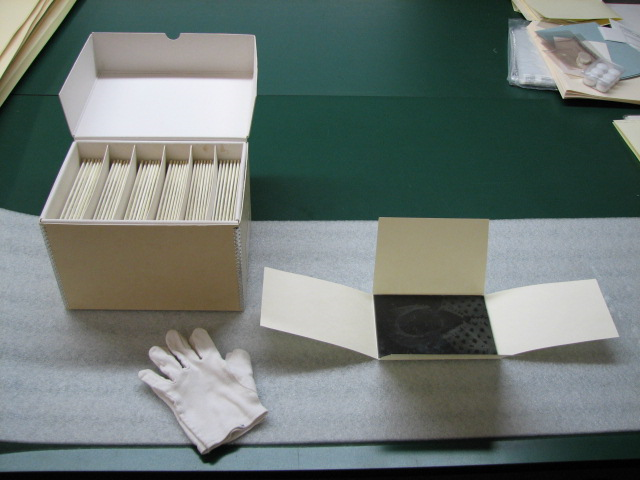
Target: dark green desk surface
<point x="365" y="108"/>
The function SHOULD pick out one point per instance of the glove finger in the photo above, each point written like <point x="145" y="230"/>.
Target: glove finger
<point x="166" y="362"/>
<point x="155" y="381"/>
<point x="203" y="344"/>
<point x="180" y="348"/>
<point x="239" y="363"/>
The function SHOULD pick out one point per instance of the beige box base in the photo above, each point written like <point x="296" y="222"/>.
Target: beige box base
<point x="149" y="264"/>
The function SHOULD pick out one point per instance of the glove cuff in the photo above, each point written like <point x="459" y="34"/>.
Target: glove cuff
<point x="212" y="436"/>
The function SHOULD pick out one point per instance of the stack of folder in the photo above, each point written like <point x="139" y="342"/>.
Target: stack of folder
<point x="565" y="11"/>
<point x="626" y="90"/>
<point x="25" y="27"/>
<point x="552" y="21"/>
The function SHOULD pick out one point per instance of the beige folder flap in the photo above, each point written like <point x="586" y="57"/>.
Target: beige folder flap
<point x="548" y="315"/>
<point x="319" y="310"/>
<point x="431" y="256"/>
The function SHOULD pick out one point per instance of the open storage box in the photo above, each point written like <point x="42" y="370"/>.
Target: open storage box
<point x="428" y="301"/>
<point x="151" y="207"/>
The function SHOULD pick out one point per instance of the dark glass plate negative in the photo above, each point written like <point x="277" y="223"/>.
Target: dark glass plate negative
<point x="433" y="325"/>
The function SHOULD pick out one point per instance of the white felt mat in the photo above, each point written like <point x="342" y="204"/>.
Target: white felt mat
<point x="71" y="376"/>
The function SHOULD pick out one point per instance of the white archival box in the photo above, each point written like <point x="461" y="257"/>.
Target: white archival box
<point x="428" y="301"/>
<point x="147" y="97"/>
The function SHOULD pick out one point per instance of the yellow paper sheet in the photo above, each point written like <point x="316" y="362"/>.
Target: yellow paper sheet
<point x="14" y="15"/>
<point x="21" y="36"/>
<point x="630" y="132"/>
<point x="42" y="32"/>
<point x="572" y="9"/>
<point x="523" y="7"/>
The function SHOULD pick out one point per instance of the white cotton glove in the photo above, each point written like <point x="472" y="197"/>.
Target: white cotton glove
<point x="215" y="400"/>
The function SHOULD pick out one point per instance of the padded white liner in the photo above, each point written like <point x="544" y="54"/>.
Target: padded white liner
<point x="71" y="376"/>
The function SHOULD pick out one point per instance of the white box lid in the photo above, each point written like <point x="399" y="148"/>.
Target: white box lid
<point x="147" y="86"/>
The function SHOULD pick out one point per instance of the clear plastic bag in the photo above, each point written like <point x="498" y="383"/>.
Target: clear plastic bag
<point x="526" y="67"/>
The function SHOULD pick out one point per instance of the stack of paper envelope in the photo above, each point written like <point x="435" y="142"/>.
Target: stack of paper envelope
<point x="616" y="45"/>
<point x="565" y="11"/>
<point x="25" y="27"/>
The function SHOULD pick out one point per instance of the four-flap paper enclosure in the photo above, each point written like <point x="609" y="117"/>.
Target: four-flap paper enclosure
<point x="428" y="301"/>
<point x="151" y="207"/>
